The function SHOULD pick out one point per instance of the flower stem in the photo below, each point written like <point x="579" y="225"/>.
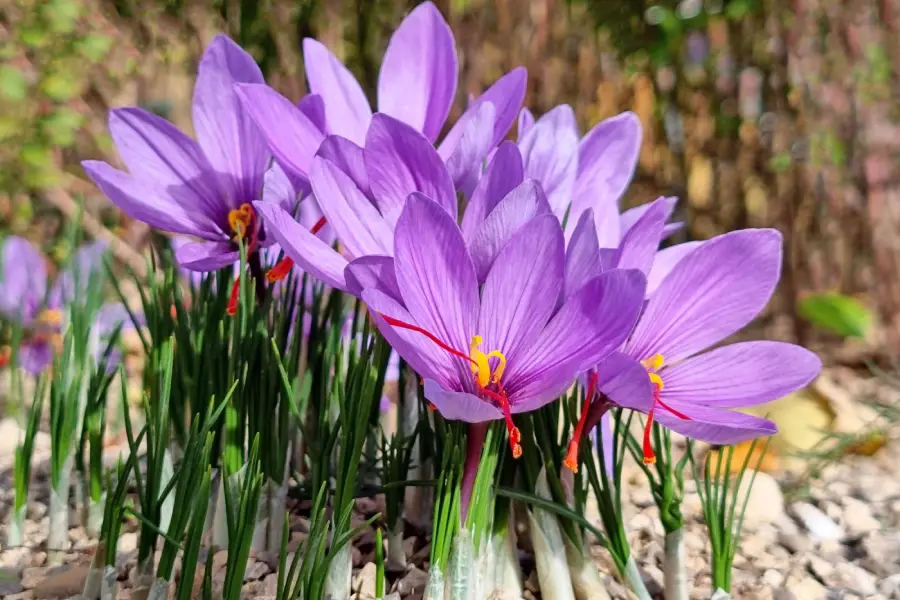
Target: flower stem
<point x="474" y="444"/>
<point x="635" y="581"/>
<point x="674" y="567"/>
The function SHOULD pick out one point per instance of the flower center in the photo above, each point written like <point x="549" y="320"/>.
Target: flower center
<point x="485" y="379"/>
<point x="242" y="221"/>
<point x="654" y="364"/>
<point x="50" y="318"/>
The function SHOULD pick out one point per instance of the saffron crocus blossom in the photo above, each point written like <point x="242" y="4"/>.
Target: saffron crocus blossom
<point x="665" y="370"/>
<point x="489" y="352"/>
<point x="203" y="188"/>
<point x="27" y="296"/>
<point x="361" y="192"/>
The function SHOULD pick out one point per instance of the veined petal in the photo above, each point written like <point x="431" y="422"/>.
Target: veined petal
<point x="231" y="141"/>
<point x="628" y="218"/>
<point x="346" y="108"/>
<point x="506" y="95"/>
<point x="23" y="280"/>
<point x="664" y="261"/>
<point x="640" y="243"/>
<point x="460" y="406"/>
<point x="357" y="223"/>
<point x="625" y="382"/>
<point x="743" y="374"/>
<point x="593" y="323"/>
<point x="526" y="122"/>
<point x="550" y="153"/>
<point x="714" y="425"/>
<point x="418" y="75"/>
<point x="206" y="256"/>
<point x="313" y="107"/>
<point x="606" y="222"/>
<point x="401" y="161"/>
<point x="291" y="135"/>
<point x="145" y="202"/>
<point x="348" y="157"/>
<point x="504" y="173"/>
<point x="436" y="275"/>
<point x="709" y="295"/>
<point x="467" y="144"/>
<point x="521" y="290"/>
<point x="157" y="153"/>
<point x="517" y="208"/>
<point x="372" y="272"/>
<point x="582" y="255"/>
<point x="278" y="188"/>
<point x="312" y="254"/>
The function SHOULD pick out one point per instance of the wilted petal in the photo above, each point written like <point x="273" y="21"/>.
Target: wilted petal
<point x="357" y="223"/>
<point x="312" y="254"/>
<point x="640" y="243"/>
<point x="550" y="153"/>
<point x="372" y="272"/>
<point x="291" y="135"/>
<point x="436" y="275"/>
<point x="418" y="75"/>
<point x="460" y="406"/>
<point x="401" y="161"/>
<point x="590" y="325"/>
<point x="740" y="375"/>
<point x="348" y="157"/>
<point x="23" y="281"/>
<point x="521" y="290"/>
<point x="714" y="425"/>
<point x="526" y="122"/>
<point x="504" y="173"/>
<point x="664" y="261"/>
<point x="206" y="256"/>
<point x="346" y="107"/>
<point x="582" y="255"/>
<point x="719" y="289"/>
<point x="230" y="139"/>
<point x="520" y="206"/>
<point x="150" y="204"/>
<point x="467" y="144"/>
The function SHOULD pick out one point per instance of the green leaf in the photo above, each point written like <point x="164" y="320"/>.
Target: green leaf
<point x="59" y="86"/>
<point x="95" y="46"/>
<point x="781" y="162"/>
<point x="836" y="313"/>
<point x="13" y="84"/>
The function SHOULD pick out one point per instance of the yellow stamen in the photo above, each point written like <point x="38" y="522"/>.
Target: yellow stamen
<point x="654" y="363"/>
<point x="657" y="380"/>
<point x="240" y="220"/>
<point x="481" y="366"/>
<point x="50" y="318"/>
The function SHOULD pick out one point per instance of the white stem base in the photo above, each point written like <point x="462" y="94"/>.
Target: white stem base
<point x="165" y="511"/>
<point x="94" y="521"/>
<point x="462" y="564"/>
<point x="720" y="594"/>
<point x="507" y="573"/>
<point x="340" y="574"/>
<point x="549" y="550"/>
<point x="220" y="523"/>
<point x="434" y="590"/>
<point x="94" y="581"/>
<point x="634" y="580"/>
<point x="58" y="536"/>
<point x="16" y="536"/>
<point x="277" y="501"/>
<point x="586" y="581"/>
<point x="396" y="557"/>
<point x="261" y="527"/>
<point x="675" y="571"/>
<point x="109" y="588"/>
<point x="159" y="590"/>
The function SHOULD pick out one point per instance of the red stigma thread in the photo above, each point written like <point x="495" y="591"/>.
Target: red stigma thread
<point x="403" y="325"/>
<point x="235" y="296"/>
<point x="649" y="455"/>
<point x="281" y="270"/>
<point x="571" y="460"/>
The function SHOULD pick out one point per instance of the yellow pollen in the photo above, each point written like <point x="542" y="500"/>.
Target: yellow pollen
<point x="654" y="378"/>
<point x="481" y="366"/>
<point x="240" y="219"/>
<point x="50" y="318"/>
<point x="654" y="363"/>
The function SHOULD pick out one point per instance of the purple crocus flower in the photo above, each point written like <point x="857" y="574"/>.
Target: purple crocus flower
<point x="203" y="188"/>
<point x="488" y="352"/>
<point x="665" y="370"/>
<point x="26" y="296"/>
<point x="362" y="191"/>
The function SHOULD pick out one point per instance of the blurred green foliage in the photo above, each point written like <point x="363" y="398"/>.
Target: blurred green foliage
<point x="839" y="314"/>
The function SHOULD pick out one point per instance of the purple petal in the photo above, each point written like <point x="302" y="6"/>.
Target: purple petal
<point x="146" y="202"/>
<point x="589" y="326"/>
<point x="526" y="122"/>
<point x="606" y="222"/>
<point x="607" y="439"/>
<point x="34" y="357"/>
<point x="467" y="144"/>
<point x="349" y="158"/>
<point x="372" y="272"/>
<point x="710" y="295"/>
<point x="550" y="153"/>
<point x="504" y="173"/>
<point x="520" y="206"/>
<point x="206" y="256"/>
<point x="640" y="243"/>
<point x="354" y="219"/>
<point x="291" y="135"/>
<point x="418" y="75"/>
<point x="664" y="261"/>
<point x="74" y="281"/>
<point x="436" y="275"/>
<point x="111" y="315"/>
<point x="628" y="218"/>
<point x="401" y="161"/>
<point x="607" y="157"/>
<point x="506" y="95"/>
<point x="625" y="382"/>
<point x="230" y="140"/>
<point x="313" y="107"/>
<point x="312" y="254"/>
<point x="740" y="375"/>
<point x="714" y="425"/>
<point x="582" y="255"/>
<point x="23" y="280"/>
<point x="278" y="188"/>
<point x="460" y="406"/>
<point x="346" y="108"/>
<point x="521" y="290"/>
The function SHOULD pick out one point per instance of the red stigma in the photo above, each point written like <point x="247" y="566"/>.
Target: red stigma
<point x="235" y="296"/>
<point x="403" y="325"/>
<point x="318" y="226"/>
<point x="571" y="460"/>
<point x="649" y="455"/>
<point x="280" y="271"/>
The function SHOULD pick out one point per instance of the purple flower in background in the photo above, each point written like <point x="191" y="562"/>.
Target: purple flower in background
<point x="488" y="352"/>
<point x="27" y="296"/>
<point x="203" y="188"/>
<point x="711" y="293"/>
<point x="362" y="191"/>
